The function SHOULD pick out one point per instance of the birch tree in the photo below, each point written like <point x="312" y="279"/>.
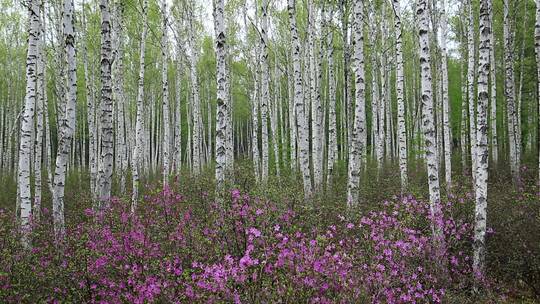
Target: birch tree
<point x="265" y="91"/>
<point x="221" y="113"/>
<point x="355" y="150"/>
<point x="509" y="91"/>
<point x="402" y="132"/>
<point x="482" y="137"/>
<point x="316" y="109"/>
<point x="165" y="101"/>
<point x="332" y="127"/>
<point x="41" y="98"/>
<point x="445" y="101"/>
<point x="139" y="136"/>
<point x="470" y="88"/>
<point x="68" y="123"/>
<point x="493" y="99"/>
<point x="107" y="136"/>
<point x="303" y="141"/>
<point x="197" y="123"/>
<point x="427" y="113"/>
<point x="27" y="119"/>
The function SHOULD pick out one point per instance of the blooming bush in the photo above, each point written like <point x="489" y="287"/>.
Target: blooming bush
<point x="239" y="249"/>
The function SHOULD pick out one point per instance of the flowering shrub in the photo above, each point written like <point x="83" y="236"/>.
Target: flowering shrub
<point x="239" y="249"/>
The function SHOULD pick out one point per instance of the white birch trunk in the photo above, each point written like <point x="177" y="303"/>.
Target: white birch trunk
<point x="316" y="110"/>
<point x="479" y="255"/>
<point x="427" y="114"/>
<point x="107" y="137"/>
<point x="402" y="132"/>
<point x="197" y="121"/>
<point x="27" y="120"/>
<point x="356" y="149"/>
<point x="40" y="105"/>
<point x="493" y="97"/>
<point x="221" y="113"/>
<point x="119" y="96"/>
<point x="292" y="119"/>
<point x="165" y="101"/>
<point x="138" y="159"/>
<point x="68" y="127"/>
<point x="447" y="132"/>
<point x="470" y="85"/>
<point x="274" y="121"/>
<point x="510" y="95"/>
<point x="332" y="127"/>
<point x="265" y="92"/>
<point x="178" y="122"/>
<point x="303" y="140"/>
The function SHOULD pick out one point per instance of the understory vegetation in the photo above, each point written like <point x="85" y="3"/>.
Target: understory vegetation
<point x="266" y="244"/>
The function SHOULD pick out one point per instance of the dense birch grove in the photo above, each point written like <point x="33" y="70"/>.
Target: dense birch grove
<point x="108" y="97"/>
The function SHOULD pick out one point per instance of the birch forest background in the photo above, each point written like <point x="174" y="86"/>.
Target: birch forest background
<point x="269" y="151"/>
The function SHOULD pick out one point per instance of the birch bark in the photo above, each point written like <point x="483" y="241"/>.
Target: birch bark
<point x="445" y="101"/>
<point x="68" y="127"/>
<point x="27" y="119"/>
<point x="332" y="128"/>
<point x="139" y="128"/>
<point x="265" y="91"/>
<point x="427" y="114"/>
<point x="221" y="112"/>
<point x="303" y="141"/>
<point x="402" y="132"/>
<point x="107" y="138"/>
<point x="470" y="84"/>
<point x="356" y="149"/>
<point x="40" y="105"/>
<point x="493" y="97"/>
<point x="165" y="101"/>
<point x="482" y="143"/>
<point x="510" y="95"/>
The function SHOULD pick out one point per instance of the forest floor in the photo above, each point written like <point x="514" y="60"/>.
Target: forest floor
<point x="265" y="244"/>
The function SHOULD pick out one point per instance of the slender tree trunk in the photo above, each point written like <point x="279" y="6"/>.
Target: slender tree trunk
<point x="482" y="144"/>
<point x="359" y="127"/>
<point x="119" y="96"/>
<point x="347" y="109"/>
<point x="493" y="99"/>
<point x="447" y="132"/>
<point x="316" y="109"/>
<point x="265" y="91"/>
<point x="299" y="102"/>
<point x="470" y="83"/>
<point x="178" y="121"/>
<point x="427" y="115"/>
<point x="274" y="121"/>
<point x="510" y="95"/>
<point x="519" y="99"/>
<point x="107" y="138"/>
<point x="332" y="127"/>
<point x="165" y="86"/>
<point x="221" y="113"/>
<point x="463" y="126"/>
<point x="402" y="132"/>
<point x="27" y="119"/>
<point x="197" y="121"/>
<point x="255" y="130"/>
<point x="292" y="118"/>
<point x="68" y="127"/>
<point x="40" y="106"/>
<point x="138" y="159"/>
